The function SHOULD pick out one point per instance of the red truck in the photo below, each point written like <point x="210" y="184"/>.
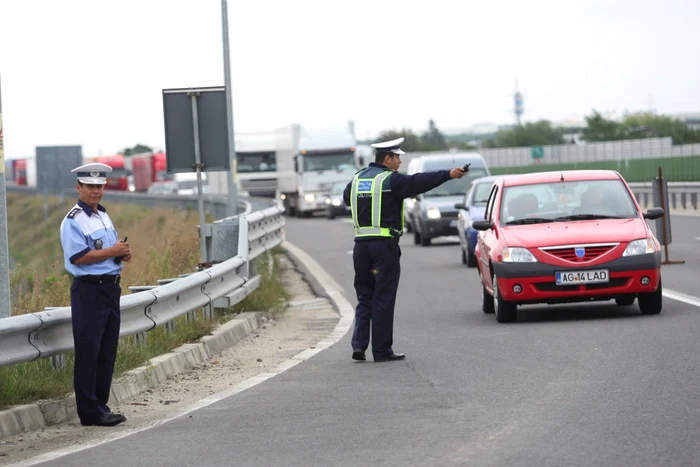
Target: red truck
<point x="118" y="178"/>
<point x="148" y="168"/>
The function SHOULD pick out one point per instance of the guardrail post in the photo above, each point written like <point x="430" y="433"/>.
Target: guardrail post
<point x="244" y="247"/>
<point x="58" y="361"/>
<point x="694" y="200"/>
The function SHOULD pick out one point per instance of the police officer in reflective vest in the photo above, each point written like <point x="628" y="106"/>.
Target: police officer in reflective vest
<point x="375" y="196"/>
<point x="94" y="255"/>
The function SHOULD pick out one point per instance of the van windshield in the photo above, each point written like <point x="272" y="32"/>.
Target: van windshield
<point x="457" y="186"/>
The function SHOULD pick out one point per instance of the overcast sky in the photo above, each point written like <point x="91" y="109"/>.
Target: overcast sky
<point x="92" y="72"/>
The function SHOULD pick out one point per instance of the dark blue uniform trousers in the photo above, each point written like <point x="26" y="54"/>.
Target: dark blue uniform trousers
<point x="96" y="319"/>
<point x="377" y="271"/>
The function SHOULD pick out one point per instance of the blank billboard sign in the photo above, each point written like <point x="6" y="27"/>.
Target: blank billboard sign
<point x="179" y="129"/>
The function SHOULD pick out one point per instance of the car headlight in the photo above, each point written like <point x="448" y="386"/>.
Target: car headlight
<point x="517" y="255"/>
<point x="309" y="197"/>
<point x="336" y="202"/>
<point x="433" y="213"/>
<point x="639" y="247"/>
<point x="328" y="201"/>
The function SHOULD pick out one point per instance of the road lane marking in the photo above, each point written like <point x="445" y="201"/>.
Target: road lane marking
<point x="342" y="306"/>
<point x="681" y="297"/>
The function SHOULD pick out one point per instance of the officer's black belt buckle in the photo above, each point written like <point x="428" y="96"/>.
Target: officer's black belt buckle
<point x="103" y="279"/>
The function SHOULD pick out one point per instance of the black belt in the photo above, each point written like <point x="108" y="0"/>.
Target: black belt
<point x="103" y="279"/>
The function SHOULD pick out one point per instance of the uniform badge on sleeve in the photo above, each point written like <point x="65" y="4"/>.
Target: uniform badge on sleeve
<point x="98" y="244"/>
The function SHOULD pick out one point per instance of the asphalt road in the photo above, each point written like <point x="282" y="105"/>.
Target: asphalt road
<point x="575" y="385"/>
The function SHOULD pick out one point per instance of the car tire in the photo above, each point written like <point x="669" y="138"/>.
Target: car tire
<point x="627" y="300"/>
<point x="424" y="239"/>
<point x="652" y="302"/>
<point x="330" y="214"/>
<point x="464" y="256"/>
<point x="416" y="237"/>
<point x="506" y="312"/>
<point x="471" y="258"/>
<point x="486" y="300"/>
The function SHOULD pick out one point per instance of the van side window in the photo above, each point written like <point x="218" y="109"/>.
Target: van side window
<point x="491" y="203"/>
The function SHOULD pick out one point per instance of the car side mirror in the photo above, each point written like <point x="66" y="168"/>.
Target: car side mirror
<point x="482" y="225"/>
<point x="654" y="213"/>
<point x="461" y="206"/>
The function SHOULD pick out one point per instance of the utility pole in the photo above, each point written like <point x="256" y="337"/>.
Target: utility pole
<point x="232" y="176"/>
<point x="5" y="309"/>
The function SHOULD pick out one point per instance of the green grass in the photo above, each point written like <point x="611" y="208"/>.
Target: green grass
<point x="177" y="251"/>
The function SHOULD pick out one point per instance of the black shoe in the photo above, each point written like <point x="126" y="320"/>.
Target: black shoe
<point x="108" y="419"/>
<point x="358" y="354"/>
<point x="390" y="358"/>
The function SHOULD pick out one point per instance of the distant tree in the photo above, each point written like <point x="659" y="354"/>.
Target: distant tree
<point x="538" y="133"/>
<point x="647" y="125"/>
<point x="411" y="142"/>
<point x="432" y="139"/>
<point x="600" y="128"/>
<point x="139" y="148"/>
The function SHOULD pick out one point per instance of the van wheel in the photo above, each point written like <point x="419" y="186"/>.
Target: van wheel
<point x="424" y="240"/>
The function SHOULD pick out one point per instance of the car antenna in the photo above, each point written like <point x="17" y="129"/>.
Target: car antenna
<point x="562" y="177"/>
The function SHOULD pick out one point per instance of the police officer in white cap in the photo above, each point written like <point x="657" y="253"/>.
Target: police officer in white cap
<point x="94" y="255"/>
<point x="375" y="196"/>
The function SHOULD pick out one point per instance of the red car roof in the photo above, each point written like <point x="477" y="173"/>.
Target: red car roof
<point x="555" y="176"/>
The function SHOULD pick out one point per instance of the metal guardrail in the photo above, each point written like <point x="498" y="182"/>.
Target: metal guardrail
<point x="682" y="195"/>
<point x="48" y="333"/>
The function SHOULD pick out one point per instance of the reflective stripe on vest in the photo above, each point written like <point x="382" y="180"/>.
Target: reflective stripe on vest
<point x="374" y="187"/>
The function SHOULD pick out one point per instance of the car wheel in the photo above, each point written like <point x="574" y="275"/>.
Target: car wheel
<point x="471" y="258"/>
<point x="416" y="237"/>
<point x="486" y="300"/>
<point x="651" y="303"/>
<point x="506" y="312"/>
<point x="424" y="239"/>
<point x="330" y="214"/>
<point x="409" y="227"/>
<point x="464" y="256"/>
<point x="627" y="300"/>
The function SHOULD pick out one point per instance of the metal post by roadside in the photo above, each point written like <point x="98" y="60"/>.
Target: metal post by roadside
<point x="667" y="215"/>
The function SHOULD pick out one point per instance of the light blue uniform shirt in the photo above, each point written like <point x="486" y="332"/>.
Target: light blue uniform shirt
<point x="80" y="229"/>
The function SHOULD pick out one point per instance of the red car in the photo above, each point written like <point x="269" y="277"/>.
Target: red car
<point x="563" y="237"/>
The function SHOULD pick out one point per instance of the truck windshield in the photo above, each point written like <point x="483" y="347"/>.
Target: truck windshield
<point x="341" y="160"/>
<point x="256" y="161"/>
<point x="457" y="186"/>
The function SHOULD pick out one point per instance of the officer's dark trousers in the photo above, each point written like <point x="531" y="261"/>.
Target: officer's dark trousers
<point x="96" y="318"/>
<point x="377" y="271"/>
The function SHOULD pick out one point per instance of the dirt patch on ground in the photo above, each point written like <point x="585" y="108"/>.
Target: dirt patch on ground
<point x="306" y="321"/>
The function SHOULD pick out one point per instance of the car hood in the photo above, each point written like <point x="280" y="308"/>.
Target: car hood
<point x="568" y="233"/>
<point x="443" y="203"/>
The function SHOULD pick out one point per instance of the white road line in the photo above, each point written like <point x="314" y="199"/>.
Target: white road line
<point x="681" y="297"/>
<point x="347" y="315"/>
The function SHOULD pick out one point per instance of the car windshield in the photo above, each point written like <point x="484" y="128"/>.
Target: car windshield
<point x="337" y="188"/>
<point x="481" y="193"/>
<point x="566" y="201"/>
<point x="456" y="186"/>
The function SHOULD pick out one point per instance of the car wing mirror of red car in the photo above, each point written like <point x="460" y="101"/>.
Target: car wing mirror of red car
<point x="482" y="225"/>
<point x="461" y="206"/>
<point x="654" y="213"/>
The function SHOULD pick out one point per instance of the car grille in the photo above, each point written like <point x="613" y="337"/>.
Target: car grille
<point x="568" y="253"/>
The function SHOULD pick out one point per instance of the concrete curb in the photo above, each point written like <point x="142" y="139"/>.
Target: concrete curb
<point x="33" y="417"/>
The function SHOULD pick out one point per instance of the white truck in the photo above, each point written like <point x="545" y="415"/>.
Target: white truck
<point x="323" y="158"/>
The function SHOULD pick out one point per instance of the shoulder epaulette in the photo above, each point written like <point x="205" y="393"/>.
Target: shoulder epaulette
<point x="74" y="212"/>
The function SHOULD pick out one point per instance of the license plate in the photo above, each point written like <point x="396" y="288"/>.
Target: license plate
<point x="453" y="223"/>
<point x="597" y="276"/>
